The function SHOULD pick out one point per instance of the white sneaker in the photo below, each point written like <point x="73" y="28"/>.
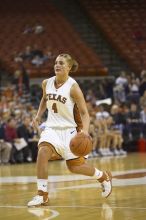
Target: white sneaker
<point x="109" y="153"/>
<point x="39" y="200"/>
<point x="116" y="152"/>
<point x="122" y="152"/>
<point x="106" y="183"/>
<point x="94" y="153"/>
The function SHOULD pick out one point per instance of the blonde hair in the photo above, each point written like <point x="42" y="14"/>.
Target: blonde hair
<point x="72" y="63"/>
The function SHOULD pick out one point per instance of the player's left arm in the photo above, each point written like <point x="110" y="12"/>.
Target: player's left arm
<point x="78" y="98"/>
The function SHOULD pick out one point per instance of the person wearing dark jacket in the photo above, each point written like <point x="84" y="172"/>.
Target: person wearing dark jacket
<point x="24" y="132"/>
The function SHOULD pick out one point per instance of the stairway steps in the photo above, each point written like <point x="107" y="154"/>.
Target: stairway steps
<point x="93" y="37"/>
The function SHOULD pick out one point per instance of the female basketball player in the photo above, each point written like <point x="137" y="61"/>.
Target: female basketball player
<point x="62" y="97"/>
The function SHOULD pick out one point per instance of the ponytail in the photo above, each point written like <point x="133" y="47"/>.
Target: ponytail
<point x="74" y="67"/>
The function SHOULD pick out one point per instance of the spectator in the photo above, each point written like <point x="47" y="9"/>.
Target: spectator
<point x="142" y="86"/>
<point x="118" y="117"/>
<point x="120" y="87"/>
<point x="27" y="54"/>
<point x="38" y="29"/>
<point x="37" y="52"/>
<point x="11" y="137"/>
<point x="133" y="95"/>
<point x="122" y="79"/>
<point x="25" y="78"/>
<point x="28" y="30"/>
<point x="93" y="134"/>
<point x="102" y="114"/>
<point x="90" y="97"/>
<point x="5" y="147"/>
<point x="143" y="100"/>
<point x="17" y="75"/>
<point x="37" y="61"/>
<point x="48" y="55"/>
<point x="24" y="131"/>
<point x="143" y="120"/>
<point x="133" y="122"/>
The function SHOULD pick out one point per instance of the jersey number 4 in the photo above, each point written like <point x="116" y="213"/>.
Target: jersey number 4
<point x="54" y="108"/>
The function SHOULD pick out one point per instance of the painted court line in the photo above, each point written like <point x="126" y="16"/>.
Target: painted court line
<point x="59" y="178"/>
<point x="76" y="206"/>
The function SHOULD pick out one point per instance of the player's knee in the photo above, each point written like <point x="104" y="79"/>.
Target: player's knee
<point x="74" y="164"/>
<point x="45" y="151"/>
<point x="42" y="152"/>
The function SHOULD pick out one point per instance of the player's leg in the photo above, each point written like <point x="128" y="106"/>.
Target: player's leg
<point x="120" y="142"/>
<point x="45" y="153"/>
<point x="102" y="144"/>
<point x="79" y="166"/>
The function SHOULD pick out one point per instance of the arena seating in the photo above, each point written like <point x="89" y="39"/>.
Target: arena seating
<point x="124" y="24"/>
<point x="58" y="34"/>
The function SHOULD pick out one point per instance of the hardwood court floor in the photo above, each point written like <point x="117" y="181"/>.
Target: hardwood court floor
<point x="75" y="196"/>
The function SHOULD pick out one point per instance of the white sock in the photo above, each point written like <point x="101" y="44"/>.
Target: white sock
<point x="42" y="184"/>
<point x="98" y="174"/>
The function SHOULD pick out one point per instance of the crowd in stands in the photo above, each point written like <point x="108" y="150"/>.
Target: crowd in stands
<point x="37" y="29"/>
<point x="34" y="55"/>
<point x="111" y="125"/>
<point x="18" y="140"/>
<point x="124" y="120"/>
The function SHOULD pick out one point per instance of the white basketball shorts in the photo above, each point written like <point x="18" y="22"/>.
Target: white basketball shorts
<point x="60" y="139"/>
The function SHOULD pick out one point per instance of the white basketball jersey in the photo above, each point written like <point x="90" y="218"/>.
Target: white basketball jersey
<point x="60" y="105"/>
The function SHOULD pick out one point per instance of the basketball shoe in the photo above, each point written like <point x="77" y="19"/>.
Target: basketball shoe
<point x="39" y="200"/>
<point x="106" y="183"/>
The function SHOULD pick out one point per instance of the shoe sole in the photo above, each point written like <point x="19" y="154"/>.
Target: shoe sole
<point x="37" y="206"/>
<point x="110" y="180"/>
<point x="40" y="205"/>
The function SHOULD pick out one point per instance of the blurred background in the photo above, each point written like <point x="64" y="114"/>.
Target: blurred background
<point x="107" y="38"/>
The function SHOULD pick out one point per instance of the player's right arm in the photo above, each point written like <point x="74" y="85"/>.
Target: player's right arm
<point x="42" y="107"/>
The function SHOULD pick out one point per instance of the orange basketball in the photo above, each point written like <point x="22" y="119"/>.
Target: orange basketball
<point x="81" y="144"/>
